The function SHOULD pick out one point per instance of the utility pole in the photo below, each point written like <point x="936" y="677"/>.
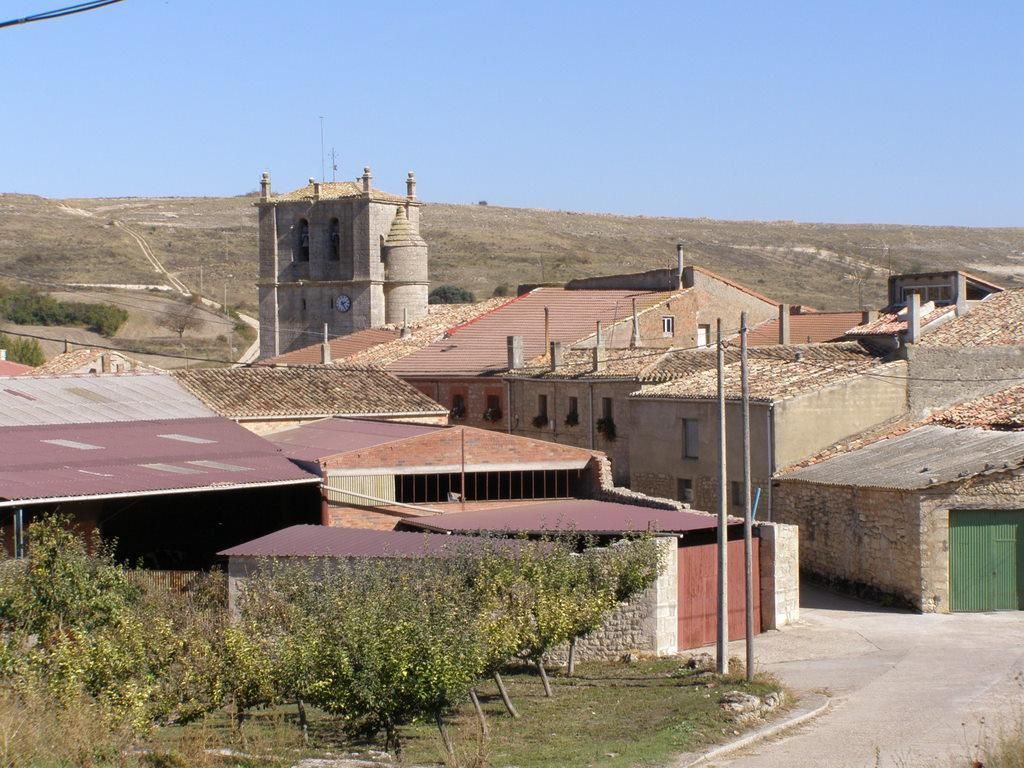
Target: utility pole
<point x="748" y="523"/>
<point x="323" y="167"/>
<point x="723" y="520"/>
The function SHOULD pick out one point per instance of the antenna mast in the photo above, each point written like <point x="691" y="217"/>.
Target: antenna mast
<point x="334" y="165"/>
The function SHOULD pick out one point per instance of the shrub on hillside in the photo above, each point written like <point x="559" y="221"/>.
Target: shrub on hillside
<point x="26" y="307"/>
<point x="450" y="294"/>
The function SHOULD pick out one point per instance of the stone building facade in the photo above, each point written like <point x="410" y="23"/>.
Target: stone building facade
<point x="340" y="256"/>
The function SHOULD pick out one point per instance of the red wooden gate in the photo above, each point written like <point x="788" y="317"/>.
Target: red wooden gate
<point x="698" y="594"/>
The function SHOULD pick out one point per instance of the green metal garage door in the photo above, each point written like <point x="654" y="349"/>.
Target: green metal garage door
<point x="986" y="559"/>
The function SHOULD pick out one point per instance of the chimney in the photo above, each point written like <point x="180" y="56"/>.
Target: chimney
<point x="105" y="363"/>
<point x="913" y="319"/>
<point x="406" y="331"/>
<point x="547" y="329"/>
<point x="599" y="354"/>
<point x="515" y="352"/>
<point x="783" y="323"/>
<point x="367" y="177"/>
<point x="316" y="189"/>
<point x="410" y="186"/>
<point x="265" y="186"/>
<point x="680" y="262"/>
<point x="868" y="316"/>
<point x="67" y="345"/>
<point x="325" y="348"/>
<point x="634" y="336"/>
<point x="556" y="355"/>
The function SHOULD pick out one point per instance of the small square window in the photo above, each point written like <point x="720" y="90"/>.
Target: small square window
<point x="684" y="490"/>
<point x="668" y="326"/>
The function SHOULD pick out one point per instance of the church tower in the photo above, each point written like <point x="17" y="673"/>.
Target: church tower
<point x="338" y="254"/>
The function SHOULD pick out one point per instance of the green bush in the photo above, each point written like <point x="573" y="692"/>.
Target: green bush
<point x="450" y="294"/>
<point x="24" y="351"/>
<point x="26" y="307"/>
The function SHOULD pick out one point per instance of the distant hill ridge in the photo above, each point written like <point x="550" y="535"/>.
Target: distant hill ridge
<point x="480" y="247"/>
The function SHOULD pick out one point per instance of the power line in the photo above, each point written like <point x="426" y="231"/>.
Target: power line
<point x="57" y="13"/>
<point x="109" y="348"/>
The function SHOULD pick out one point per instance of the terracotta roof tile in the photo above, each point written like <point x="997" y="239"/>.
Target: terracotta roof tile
<point x="891" y="323"/>
<point x="996" y="321"/>
<point x="1002" y="410"/>
<point x="72" y="362"/>
<point x="336" y="190"/>
<point x="11" y="368"/>
<point x="775" y="373"/>
<point x="309" y="391"/>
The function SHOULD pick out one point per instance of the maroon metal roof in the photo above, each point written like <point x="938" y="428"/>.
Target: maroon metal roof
<point x="329" y="437"/>
<point x="69" y="461"/>
<point x="323" y="541"/>
<point x="577" y="515"/>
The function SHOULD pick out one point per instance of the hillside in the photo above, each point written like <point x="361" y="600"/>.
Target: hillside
<point x="480" y="247"/>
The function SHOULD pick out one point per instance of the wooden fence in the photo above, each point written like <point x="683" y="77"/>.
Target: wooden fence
<point x="172" y="581"/>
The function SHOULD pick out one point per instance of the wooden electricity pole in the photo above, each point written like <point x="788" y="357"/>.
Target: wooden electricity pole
<point x="748" y="545"/>
<point x="723" y="520"/>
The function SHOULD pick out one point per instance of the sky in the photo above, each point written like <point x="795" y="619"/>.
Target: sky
<point x="901" y="112"/>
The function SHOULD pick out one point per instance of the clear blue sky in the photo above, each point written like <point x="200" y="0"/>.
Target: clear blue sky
<point x="818" y="111"/>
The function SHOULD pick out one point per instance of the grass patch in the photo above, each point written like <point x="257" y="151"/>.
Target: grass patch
<point x="609" y="714"/>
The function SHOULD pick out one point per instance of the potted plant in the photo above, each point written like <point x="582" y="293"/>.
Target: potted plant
<point x="492" y="414"/>
<point x="606" y="426"/>
<point x="572" y="418"/>
<point x="458" y="411"/>
<point x="540" y="420"/>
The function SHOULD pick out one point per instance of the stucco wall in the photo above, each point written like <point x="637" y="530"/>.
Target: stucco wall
<point x="804" y="425"/>
<point x="779" y="558"/>
<point x="943" y="375"/>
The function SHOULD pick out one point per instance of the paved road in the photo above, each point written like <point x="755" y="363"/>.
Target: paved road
<point x="913" y="687"/>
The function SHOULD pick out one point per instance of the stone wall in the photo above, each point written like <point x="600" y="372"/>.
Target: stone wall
<point x="868" y="539"/>
<point x="940" y="376"/>
<point x="779" y="557"/>
<point x="1003" y="490"/>
<point x="648" y="624"/>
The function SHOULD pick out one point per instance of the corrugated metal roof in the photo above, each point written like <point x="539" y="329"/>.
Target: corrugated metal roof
<point x="141" y="457"/>
<point x="11" y="368"/>
<point x="479" y="346"/>
<point x="329" y="437"/>
<point x="342" y="347"/>
<point x="28" y="400"/>
<point x="577" y="515"/>
<point x="922" y="457"/>
<point x="324" y="541"/>
<point x="806" y="328"/>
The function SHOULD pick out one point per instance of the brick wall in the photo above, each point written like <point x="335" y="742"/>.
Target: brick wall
<point x="361" y="517"/>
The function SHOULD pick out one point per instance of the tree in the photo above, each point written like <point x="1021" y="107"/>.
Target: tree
<point x="180" y="318"/>
<point x="24" y="351"/>
<point x="450" y="294"/>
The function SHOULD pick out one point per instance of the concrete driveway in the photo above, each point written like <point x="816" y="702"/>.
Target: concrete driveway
<point x="912" y="689"/>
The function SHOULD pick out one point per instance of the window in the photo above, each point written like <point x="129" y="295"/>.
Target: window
<point x="606" y="408"/>
<point x="668" y="326"/>
<point x="703" y="334"/>
<point x="574" y="406"/>
<point x="303" y="305"/>
<point x="937" y="293"/>
<point x="458" y="406"/>
<point x="542" y="406"/>
<point x="684" y="490"/>
<point x="334" y="233"/>
<point x="302" y="240"/>
<point x="691" y="439"/>
<point x="736" y="491"/>
<point x="493" y="410"/>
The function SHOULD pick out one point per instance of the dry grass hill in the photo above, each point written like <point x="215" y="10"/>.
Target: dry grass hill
<point x="829" y="266"/>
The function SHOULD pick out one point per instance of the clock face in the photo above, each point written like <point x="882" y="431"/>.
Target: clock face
<point x="343" y="303"/>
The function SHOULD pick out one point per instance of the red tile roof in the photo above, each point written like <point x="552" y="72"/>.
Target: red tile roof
<point x="342" y="347"/>
<point x="330" y="437"/>
<point x="11" y="368"/>
<point x="1002" y="410"/>
<point x="811" y="328"/>
<point x="65" y="462"/>
<point x="479" y="346"/>
<point x="997" y="321"/>
<point x="324" y="541"/>
<point x="891" y="323"/>
<point x="577" y="515"/>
